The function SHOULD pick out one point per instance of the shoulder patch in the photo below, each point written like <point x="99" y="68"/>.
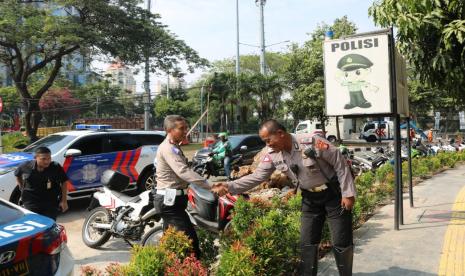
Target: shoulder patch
<point x="321" y="145"/>
<point x="266" y="159"/>
<point x="175" y="150"/>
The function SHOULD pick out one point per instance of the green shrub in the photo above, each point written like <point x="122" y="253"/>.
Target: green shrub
<point x="238" y="260"/>
<point x="189" y="267"/>
<point x="207" y="246"/>
<point x="364" y="182"/>
<point x="148" y="260"/>
<point x="383" y="171"/>
<point x="12" y="140"/>
<point x="176" y="242"/>
<point x="436" y="163"/>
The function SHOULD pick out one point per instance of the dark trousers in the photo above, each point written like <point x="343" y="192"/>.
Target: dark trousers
<point x="177" y="217"/>
<point x="316" y="208"/>
<point x="51" y="212"/>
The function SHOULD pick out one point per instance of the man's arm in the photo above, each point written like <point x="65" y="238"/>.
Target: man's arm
<point x="19" y="181"/>
<point x="182" y="170"/>
<point x="64" y="196"/>
<point x="262" y="173"/>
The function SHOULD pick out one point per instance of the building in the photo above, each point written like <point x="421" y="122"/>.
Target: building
<point x="122" y="76"/>
<point x="171" y="83"/>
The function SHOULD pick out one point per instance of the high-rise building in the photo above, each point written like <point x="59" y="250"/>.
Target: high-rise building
<point x="122" y="76"/>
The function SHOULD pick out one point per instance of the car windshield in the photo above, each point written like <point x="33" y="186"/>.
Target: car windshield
<point x="54" y="142"/>
<point x="9" y="213"/>
<point x="234" y="141"/>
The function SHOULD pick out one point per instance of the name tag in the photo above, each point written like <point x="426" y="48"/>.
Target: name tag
<point x="49" y="184"/>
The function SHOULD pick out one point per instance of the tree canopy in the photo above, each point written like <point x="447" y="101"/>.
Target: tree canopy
<point x="431" y="34"/>
<point x="35" y="38"/>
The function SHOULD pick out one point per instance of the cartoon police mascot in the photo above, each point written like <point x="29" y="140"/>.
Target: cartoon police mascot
<point x="354" y="69"/>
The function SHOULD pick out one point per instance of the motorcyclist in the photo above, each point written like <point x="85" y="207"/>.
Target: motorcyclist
<point x="222" y="153"/>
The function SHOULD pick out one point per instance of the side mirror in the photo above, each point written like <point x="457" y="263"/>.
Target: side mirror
<point x="243" y="148"/>
<point x="72" y="153"/>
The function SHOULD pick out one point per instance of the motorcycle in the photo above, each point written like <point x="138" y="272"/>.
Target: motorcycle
<point x="210" y="166"/>
<point x="118" y="215"/>
<point x="205" y="210"/>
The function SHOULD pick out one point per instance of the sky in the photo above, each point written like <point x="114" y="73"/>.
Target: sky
<point x="209" y="26"/>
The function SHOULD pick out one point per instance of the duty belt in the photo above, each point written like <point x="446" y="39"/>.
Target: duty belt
<point x="318" y="189"/>
<point x="178" y="192"/>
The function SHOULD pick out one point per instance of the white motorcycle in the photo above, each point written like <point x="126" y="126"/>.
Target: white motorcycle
<point x="119" y="215"/>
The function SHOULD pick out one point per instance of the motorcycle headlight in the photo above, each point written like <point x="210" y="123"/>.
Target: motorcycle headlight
<point x="7" y="170"/>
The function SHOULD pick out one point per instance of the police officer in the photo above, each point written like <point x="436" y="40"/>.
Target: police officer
<point x="327" y="191"/>
<point x="173" y="175"/>
<point x="43" y="184"/>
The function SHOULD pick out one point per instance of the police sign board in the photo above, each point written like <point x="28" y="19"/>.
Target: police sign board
<point x="358" y="75"/>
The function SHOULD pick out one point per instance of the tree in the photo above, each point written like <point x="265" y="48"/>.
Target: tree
<point x="100" y="99"/>
<point x="431" y="35"/>
<point x="251" y="63"/>
<point x="58" y="104"/>
<point x="35" y="38"/>
<point x="304" y="72"/>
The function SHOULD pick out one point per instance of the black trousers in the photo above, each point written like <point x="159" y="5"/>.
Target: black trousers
<point x="51" y="212"/>
<point x="177" y="217"/>
<point x="316" y="208"/>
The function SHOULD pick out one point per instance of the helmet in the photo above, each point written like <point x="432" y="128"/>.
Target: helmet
<point x="223" y="134"/>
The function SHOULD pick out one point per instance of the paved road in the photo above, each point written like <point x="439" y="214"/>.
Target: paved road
<point x="114" y="250"/>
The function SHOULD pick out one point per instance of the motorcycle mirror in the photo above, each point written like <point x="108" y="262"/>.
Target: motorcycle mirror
<point x="243" y="148"/>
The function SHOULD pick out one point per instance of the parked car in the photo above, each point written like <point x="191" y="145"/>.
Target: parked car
<point x="253" y="143"/>
<point x="31" y="244"/>
<point x="85" y="155"/>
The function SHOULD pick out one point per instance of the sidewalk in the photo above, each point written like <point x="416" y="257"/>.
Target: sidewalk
<point x="431" y="241"/>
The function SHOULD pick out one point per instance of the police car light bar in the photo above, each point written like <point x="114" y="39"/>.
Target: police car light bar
<point x="94" y="127"/>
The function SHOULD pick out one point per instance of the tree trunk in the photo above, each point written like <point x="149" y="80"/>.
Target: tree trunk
<point x="33" y="118"/>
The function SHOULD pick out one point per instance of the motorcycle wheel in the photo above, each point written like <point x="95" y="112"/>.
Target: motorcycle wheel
<point x="91" y="236"/>
<point x="152" y="237"/>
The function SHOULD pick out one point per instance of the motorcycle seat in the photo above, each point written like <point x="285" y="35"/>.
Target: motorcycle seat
<point x="126" y="198"/>
<point x="203" y="194"/>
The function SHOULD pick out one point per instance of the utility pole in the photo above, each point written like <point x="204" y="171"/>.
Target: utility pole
<point x="168" y="86"/>
<point x="261" y="4"/>
<point x="238" y="70"/>
<point x="96" y="107"/>
<point x="147" y="84"/>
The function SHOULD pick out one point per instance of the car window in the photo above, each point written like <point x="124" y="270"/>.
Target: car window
<point x="382" y="126"/>
<point x="122" y="142"/>
<point x="149" y="139"/>
<point x="368" y="127"/>
<point x="251" y="142"/>
<point x="92" y="144"/>
<point x="9" y="213"/>
<point x="319" y="126"/>
<point x="54" y="142"/>
<point x="301" y="127"/>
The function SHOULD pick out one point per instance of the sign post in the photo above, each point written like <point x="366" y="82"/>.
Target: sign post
<point x="366" y="76"/>
<point x="1" y="125"/>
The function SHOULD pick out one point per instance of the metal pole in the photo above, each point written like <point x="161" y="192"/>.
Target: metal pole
<point x="147" y="85"/>
<point x="262" y="37"/>
<point x="208" y="109"/>
<point x="168" y="86"/>
<point x="238" y="69"/>
<point x="96" y="108"/>
<point x="201" y="110"/>
<point x="410" y="185"/>
<point x="397" y="141"/>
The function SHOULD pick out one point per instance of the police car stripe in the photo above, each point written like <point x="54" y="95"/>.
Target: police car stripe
<point x="124" y="165"/>
<point x="117" y="161"/>
<point x="132" y="167"/>
<point x="66" y="165"/>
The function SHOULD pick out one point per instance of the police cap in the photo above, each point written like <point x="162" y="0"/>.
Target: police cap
<point x="352" y="62"/>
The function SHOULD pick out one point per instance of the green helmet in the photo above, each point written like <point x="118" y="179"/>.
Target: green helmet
<point x="221" y="134"/>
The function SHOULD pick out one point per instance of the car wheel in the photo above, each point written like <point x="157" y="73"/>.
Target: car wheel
<point x="94" y="237"/>
<point x="371" y="139"/>
<point x="147" y="181"/>
<point x="332" y="139"/>
<point x="153" y="237"/>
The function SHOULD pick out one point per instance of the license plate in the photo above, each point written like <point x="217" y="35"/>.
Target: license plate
<point x="19" y="269"/>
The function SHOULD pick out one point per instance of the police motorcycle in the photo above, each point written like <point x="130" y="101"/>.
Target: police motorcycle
<point x="205" y="210"/>
<point x="209" y="166"/>
<point x="118" y="215"/>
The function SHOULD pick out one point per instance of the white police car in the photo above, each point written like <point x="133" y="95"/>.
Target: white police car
<point x="31" y="244"/>
<point x="85" y="154"/>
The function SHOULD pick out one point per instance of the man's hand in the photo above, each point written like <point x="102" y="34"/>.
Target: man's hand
<point x="220" y="189"/>
<point x="63" y="205"/>
<point x="348" y="202"/>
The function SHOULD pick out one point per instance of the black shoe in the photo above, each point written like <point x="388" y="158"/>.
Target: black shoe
<point x="349" y="106"/>
<point x="365" y="105"/>
<point x="309" y="260"/>
<point x="344" y="259"/>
